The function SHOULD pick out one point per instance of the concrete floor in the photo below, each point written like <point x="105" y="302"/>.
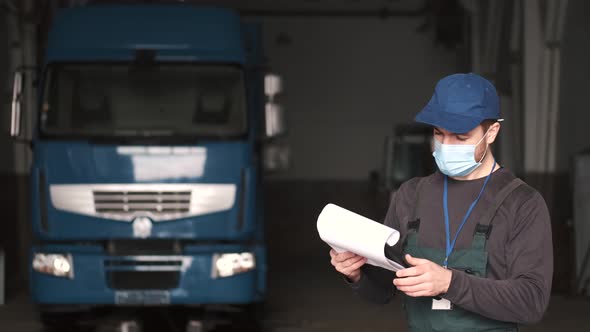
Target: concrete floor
<point x="314" y="299"/>
<point x="305" y="293"/>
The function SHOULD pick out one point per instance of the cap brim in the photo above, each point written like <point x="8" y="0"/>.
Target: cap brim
<point x="454" y="123"/>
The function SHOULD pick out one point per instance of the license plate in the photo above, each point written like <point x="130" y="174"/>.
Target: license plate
<point x="142" y="297"/>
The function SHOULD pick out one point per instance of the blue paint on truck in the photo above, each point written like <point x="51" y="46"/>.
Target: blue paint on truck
<point x="146" y="161"/>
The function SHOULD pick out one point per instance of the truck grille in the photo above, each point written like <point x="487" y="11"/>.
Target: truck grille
<point x="143" y="247"/>
<point x="156" y="203"/>
<point x="135" y="280"/>
<point x="150" y="272"/>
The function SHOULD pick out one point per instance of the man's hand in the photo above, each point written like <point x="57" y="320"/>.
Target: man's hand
<point x="348" y="264"/>
<point x="424" y="278"/>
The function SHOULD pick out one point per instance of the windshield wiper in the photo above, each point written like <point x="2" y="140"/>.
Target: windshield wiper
<point x="143" y="140"/>
<point x="143" y="133"/>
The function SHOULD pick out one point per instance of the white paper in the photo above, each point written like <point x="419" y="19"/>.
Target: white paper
<point x="345" y="230"/>
<point x="442" y="304"/>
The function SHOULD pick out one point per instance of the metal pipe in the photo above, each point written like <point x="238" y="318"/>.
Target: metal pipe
<point x="261" y="12"/>
<point x="532" y="62"/>
<point x="383" y="13"/>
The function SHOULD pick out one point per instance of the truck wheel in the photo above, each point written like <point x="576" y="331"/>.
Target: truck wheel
<point x="53" y="322"/>
<point x="253" y="318"/>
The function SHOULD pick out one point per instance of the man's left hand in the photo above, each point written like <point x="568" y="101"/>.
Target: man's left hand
<point x="424" y="278"/>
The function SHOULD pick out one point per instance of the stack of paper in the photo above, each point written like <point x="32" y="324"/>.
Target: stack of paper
<point x="344" y="230"/>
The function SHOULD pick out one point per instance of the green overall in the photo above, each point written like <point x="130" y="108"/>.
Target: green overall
<point x="474" y="260"/>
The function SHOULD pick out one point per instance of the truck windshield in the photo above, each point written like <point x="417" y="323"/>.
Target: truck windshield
<point x="130" y="100"/>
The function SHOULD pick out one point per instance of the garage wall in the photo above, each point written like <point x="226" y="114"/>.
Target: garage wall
<point x="6" y="150"/>
<point x="574" y="118"/>
<point x="9" y="234"/>
<point x="348" y="82"/>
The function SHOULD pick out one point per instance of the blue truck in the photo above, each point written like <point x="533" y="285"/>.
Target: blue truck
<point x="148" y="154"/>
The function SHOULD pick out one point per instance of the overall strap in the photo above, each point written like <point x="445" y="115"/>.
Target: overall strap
<point x="414" y="223"/>
<point x="419" y="188"/>
<point x="483" y="229"/>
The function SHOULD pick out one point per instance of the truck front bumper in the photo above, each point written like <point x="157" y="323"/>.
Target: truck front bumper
<point x="187" y="279"/>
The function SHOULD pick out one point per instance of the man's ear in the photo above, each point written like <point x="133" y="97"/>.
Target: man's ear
<point x="493" y="132"/>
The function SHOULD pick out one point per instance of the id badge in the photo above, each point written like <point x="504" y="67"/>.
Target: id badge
<point x="442" y="304"/>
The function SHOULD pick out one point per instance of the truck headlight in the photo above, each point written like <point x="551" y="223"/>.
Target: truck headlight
<point x="58" y="265"/>
<point x="227" y="265"/>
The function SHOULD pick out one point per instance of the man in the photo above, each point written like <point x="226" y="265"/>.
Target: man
<point x="477" y="239"/>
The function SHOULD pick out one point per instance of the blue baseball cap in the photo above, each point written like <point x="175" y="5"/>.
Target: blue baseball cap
<point x="460" y="103"/>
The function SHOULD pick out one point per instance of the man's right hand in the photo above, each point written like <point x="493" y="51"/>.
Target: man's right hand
<point x="348" y="264"/>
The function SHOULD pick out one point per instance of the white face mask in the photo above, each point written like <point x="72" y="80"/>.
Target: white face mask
<point x="457" y="159"/>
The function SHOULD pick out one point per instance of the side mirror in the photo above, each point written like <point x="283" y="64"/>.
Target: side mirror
<point x="274" y="120"/>
<point x="273" y="112"/>
<point x="16" y="114"/>
<point x="276" y="157"/>
<point x="273" y="85"/>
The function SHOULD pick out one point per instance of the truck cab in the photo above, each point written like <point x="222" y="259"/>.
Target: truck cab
<point x="147" y="158"/>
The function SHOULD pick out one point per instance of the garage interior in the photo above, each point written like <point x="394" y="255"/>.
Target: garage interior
<point x="354" y="75"/>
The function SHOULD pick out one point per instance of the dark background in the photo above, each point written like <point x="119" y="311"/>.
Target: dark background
<point x="355" y="72"/>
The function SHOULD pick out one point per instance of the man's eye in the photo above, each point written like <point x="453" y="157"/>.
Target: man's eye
<point x="437" y="133"/>
<point x="461" y="138"/>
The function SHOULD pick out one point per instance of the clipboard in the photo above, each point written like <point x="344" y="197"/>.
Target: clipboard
<point x="344" y="230"/>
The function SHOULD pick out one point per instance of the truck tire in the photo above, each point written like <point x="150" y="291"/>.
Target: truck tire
<point x="65" y="322"/>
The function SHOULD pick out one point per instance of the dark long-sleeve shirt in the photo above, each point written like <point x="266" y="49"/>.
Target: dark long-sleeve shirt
<point x="517" y="286"/>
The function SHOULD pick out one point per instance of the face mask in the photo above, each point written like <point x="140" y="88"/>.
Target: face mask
<point x="457" y="159"/>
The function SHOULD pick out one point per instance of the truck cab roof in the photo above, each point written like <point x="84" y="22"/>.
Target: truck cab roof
<point x="186" y="33"/>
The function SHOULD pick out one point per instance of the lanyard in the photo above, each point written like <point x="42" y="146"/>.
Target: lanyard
<point x="451" y="245"/>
